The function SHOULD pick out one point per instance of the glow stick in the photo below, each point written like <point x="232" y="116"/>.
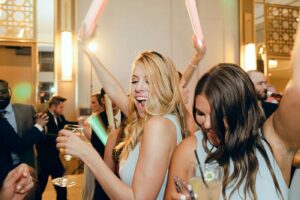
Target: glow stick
<point x="194" y="17"/>
<point x="109" y="112"/>
<point x="92" y="16"/>
<point x="97" y="127"/>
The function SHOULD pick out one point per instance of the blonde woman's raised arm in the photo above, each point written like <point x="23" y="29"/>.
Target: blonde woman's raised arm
<point x="286" y="118"/>
<point x="110" y="84"/>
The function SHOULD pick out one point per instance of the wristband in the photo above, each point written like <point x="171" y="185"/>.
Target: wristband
<point x="191" y="64"/>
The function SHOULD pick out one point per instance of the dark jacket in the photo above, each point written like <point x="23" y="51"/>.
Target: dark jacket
<point x="11" y="142"/>
<point x="46" y="148"/>
<point x="25" y="115"/>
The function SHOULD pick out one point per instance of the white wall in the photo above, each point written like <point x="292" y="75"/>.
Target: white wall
<point x="45" y="21"/>
<point x="45" y="33"/>
<point x="128" y="27"/>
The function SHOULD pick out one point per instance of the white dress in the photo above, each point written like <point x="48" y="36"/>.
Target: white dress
<point x="127" y="167"/>
<point x="265" y="188"/>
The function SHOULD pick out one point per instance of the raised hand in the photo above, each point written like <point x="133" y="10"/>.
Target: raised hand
<point x="71" y="143"/>
<point x="42" y="119"/>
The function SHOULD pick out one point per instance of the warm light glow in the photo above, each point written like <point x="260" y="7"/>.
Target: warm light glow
<point x="250" y="57"/>
<point x="262" y="50"/>
<point x="273" y="63"/>
<point x="52" y="90"/>
<point x="22" y="92"/>
<point x="66" y="56"/>
<point x="92" y="46"/>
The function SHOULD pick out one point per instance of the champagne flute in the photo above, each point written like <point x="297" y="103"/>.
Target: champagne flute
<point x="65" y="181"/>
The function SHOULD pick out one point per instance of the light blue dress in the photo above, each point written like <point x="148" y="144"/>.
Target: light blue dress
<point x="294" y="193"/>
<point x="127" y="167"/>
<point x="265" y="188"/>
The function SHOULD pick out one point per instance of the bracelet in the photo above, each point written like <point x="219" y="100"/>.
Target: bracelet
<point x="195" y="66"/>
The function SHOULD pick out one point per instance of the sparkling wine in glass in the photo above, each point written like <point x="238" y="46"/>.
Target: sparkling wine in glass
<point x="213" y="176"/>
<point x="66" y="181"/>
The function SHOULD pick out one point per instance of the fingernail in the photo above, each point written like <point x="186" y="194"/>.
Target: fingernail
<point x="19" y="187"/>
<point x="182" y="197"/>
<point x="21" y="169"/>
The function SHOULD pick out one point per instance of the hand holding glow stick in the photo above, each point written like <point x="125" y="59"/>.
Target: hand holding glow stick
<point x="91" y="18"/>
<point x="194" y="17"/>
<point x="109" y="112"/>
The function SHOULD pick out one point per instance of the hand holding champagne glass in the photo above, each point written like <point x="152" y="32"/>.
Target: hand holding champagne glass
<point x="65" y="181"/>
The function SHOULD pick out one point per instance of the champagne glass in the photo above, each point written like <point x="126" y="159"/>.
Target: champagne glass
<point x="210" y="188"/>
<point x="65" y="181"/>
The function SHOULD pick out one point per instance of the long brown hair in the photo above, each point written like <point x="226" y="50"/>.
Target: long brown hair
<point x="232" y="98"/>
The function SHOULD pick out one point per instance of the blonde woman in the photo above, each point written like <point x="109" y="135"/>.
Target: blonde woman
<point x="155" y="123"/>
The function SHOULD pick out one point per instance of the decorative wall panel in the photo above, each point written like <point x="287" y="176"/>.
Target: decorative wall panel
<point x="281" y="25"/>
<point x="17" y="19"/>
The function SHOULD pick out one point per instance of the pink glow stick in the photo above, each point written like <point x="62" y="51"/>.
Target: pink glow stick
<point x="194" y="17"/>
<point x="92" y="16"/>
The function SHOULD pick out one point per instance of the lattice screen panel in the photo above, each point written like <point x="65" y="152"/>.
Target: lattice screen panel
<point x="17" y="19"/>
<point x="281" y="25"/>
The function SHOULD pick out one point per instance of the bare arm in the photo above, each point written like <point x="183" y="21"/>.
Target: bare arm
<point x="286" y="118"/>
<point x="157" y="145"/>
<point x="193" y="63"/>
<point x="183" y="155"/>
<point x="110" y="145"/>
<point x="110" y="84"/>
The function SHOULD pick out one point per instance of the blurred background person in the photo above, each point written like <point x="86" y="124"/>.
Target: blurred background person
<point x="22" y="118"/>
<point x="98" y="108"/>
<point x="10" y="142"/>
<point x="91" y="188"/>
<point x="48" y="159"/>
<point x="260" y="83"/>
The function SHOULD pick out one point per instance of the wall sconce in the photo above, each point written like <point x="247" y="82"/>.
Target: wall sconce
<point x="250" y="57"/>
<point x="66" y="56"/>
<point x="66" y="42"/>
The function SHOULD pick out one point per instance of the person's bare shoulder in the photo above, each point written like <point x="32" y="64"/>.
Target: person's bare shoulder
<point x="185" y="150"/>
<point x="158" y="125"/>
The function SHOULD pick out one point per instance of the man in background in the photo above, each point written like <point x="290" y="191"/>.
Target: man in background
<point x="49" y="163"/>
<point x="21" y="117"/>
<point x="260" y="82"/>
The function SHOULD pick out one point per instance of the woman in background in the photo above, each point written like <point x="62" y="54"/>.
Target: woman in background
<point x="92" y="189"/>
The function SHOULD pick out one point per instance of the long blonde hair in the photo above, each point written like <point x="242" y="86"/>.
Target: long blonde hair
<point x="164" y="98"/>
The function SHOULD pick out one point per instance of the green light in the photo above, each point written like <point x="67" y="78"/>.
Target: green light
<point x="22" y="92"/>
<point x="97" y="127"/>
